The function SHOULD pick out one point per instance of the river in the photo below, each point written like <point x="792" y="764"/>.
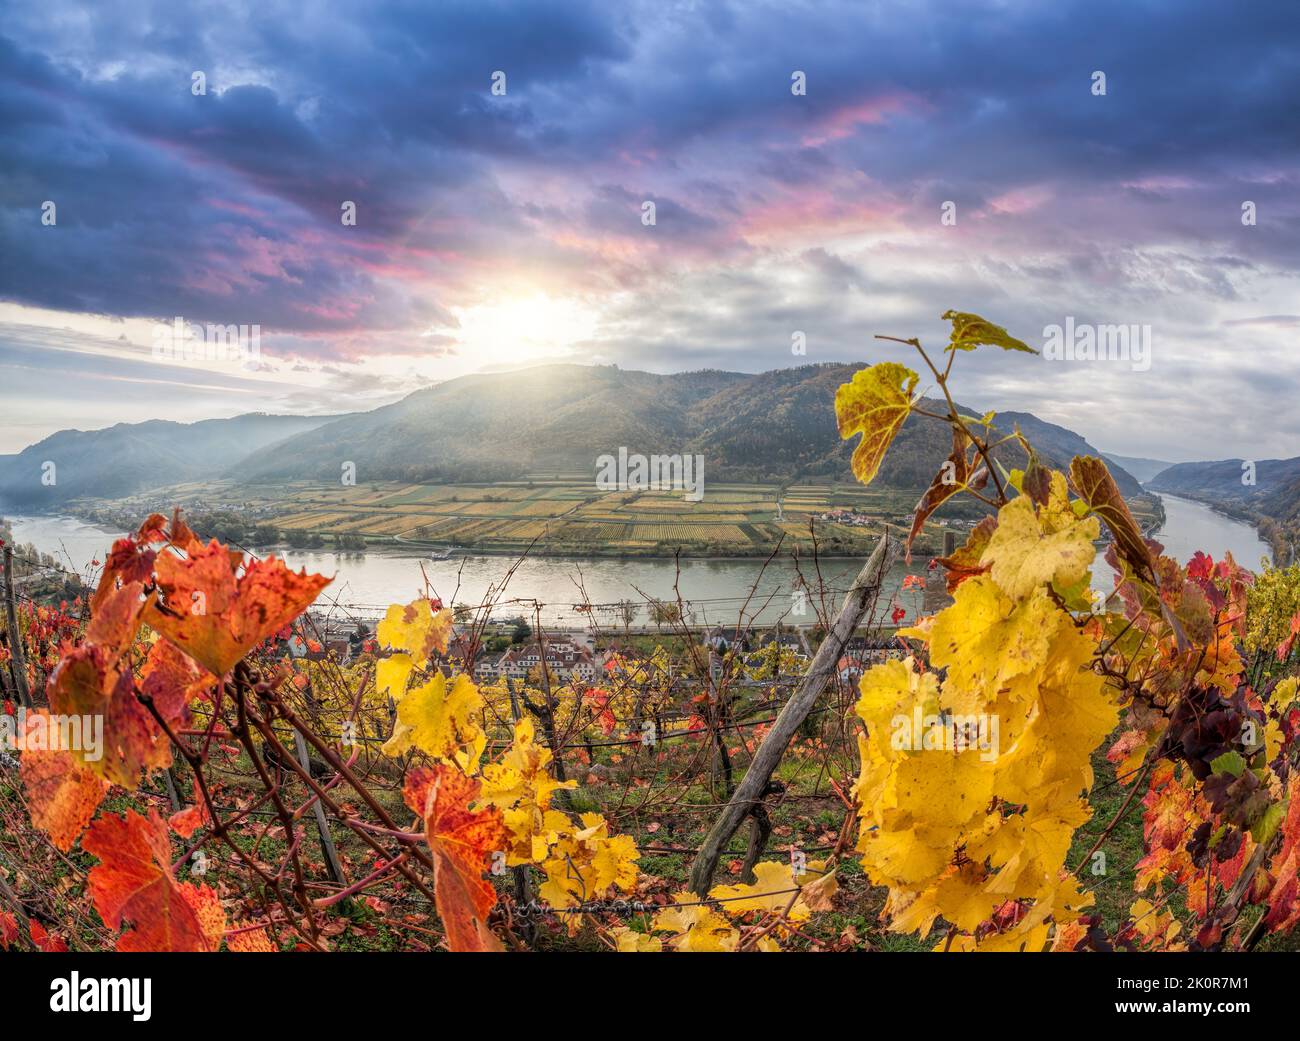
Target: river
<point x="715" y="590"/>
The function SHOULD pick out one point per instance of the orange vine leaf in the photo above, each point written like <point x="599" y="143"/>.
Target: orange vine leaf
<point x="461" y="839"/>
<point x="134" y="882"/>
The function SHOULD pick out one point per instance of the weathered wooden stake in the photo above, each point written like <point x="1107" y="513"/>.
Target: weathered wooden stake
<point x="15" y="638"/>
<point x="749" y="793"/>
<point x="327" y="849"/>
<point x="173" y="796"/>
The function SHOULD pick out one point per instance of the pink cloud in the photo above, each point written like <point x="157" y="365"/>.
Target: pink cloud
<point x="843" y="122"/>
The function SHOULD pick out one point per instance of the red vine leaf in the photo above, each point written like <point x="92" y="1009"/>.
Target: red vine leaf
<point x="134" y="883"/>
<point x="8" y="929"/>
<point x="116" y="618"/>
<point x="461" y="840"/>
<point x="88" y="682"/>
<point x="46" y="942"/>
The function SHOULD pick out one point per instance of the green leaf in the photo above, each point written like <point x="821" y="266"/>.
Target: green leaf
<point x="1230" y="763"/>
<point x="1269" y="821"/>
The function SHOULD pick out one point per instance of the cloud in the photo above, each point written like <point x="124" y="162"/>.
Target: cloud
<point x="775" y="212"/>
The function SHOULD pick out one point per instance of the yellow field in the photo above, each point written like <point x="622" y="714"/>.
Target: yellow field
<point x="688" y="533"/>
<point x="527" y="530"/>
<point x="594" y="532"/>
<point x="569" y="511"/>
<point x="541" y="508"/>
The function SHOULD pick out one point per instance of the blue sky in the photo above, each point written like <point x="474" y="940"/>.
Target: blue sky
<point x="496" y="230"/>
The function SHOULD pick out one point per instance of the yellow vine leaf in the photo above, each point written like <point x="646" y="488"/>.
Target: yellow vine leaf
<point x="416" y="629"/>
<point x="1156" y="929"/>
<point x="584" y="863"/>
<point x="962" y="894"/>
<point x="1274" y="735"/>
<point x="437" y="718"/>
<point x="970" y="331"/>
<point x="892" y="687"/>
<point x="696" y="927"/>
<point x="629" y="941"/>
<point x="1050" y="545"/>
<point x="1029" y="929"/>
<point x="772" y="891"/>
<point x="890" y="691"/>
<point x="1057" y="743"/>
<point x="874" y="404"/>
<point x="909" y="845"/>
<point x="392" y="673"/>
<point x="969" y="793"/>
<point x="995" y="650"/>
<point x="1017" y="940"/>
<point x="521" y="786"/>
<point x="1023" y="850"/>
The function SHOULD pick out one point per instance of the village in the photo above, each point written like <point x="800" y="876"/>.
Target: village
<point x="509" y="650"/>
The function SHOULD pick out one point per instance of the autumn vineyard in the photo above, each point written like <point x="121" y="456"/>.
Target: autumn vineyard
<point x="246" y="801"/>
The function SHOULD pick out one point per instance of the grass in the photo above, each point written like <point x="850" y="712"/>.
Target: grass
<point x="1110" y="879"/>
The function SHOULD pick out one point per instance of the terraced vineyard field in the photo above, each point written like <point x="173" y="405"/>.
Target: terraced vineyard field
<point x="567" y="514"/>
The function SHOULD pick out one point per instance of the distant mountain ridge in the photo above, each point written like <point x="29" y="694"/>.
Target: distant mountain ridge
<point x="130" y="457"/>
<point x="1266" y="491"/>
<point x="772" y="426"/>
<point x="1229" y="480"/>
<point x="1141" y="468"/>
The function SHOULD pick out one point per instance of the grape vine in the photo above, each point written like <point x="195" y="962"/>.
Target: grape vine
<point x="977" y="748"/>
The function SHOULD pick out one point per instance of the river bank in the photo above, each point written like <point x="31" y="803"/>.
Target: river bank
<point x="574" y="591"/>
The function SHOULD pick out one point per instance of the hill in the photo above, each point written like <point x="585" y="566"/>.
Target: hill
<point x="1272" y="501"/>
<point x="497" y="426"/>
<point x="771" y="427"/>
<point x="1223" y="480"/>
<point x="131" y="457"/>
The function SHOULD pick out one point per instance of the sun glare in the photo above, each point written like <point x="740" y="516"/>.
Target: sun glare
<point x="523" y="329"/>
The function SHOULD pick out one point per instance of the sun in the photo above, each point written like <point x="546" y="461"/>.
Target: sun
<point x="524" y="328"/>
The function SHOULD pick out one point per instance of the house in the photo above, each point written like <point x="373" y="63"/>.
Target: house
<point x="851" y="518"/>
<point x="850" y="669"/>
<point x="862" y="652"/>
<point x="789" y="640"/>
<point x="565" y="660"/>
<point x="465" y="654"/>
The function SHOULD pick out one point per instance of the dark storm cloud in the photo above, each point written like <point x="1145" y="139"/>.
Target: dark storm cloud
<point x="389" y="106"/>
<point x="170" y="203"/>
<point x="774" y="212"/>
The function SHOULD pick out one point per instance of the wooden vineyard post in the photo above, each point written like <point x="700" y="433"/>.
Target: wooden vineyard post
<point x="15" y="638"/>
<point x="327" y="849"/>
<point x="749" y="793"/>
<point x="173" y="796"/>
